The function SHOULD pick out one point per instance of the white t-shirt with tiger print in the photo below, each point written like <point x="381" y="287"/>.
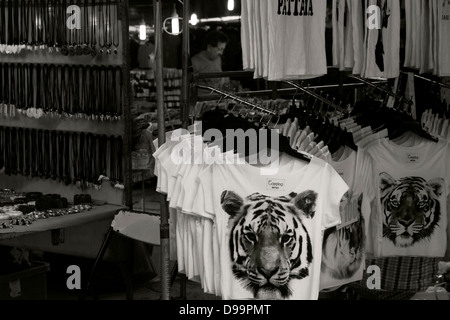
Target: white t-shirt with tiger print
<point x="270" y="228"/>
<point x="409" y="217"/>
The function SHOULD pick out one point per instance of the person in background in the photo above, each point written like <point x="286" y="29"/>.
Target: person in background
<point x="210" y="59"/>
<point x="146" y="55"/>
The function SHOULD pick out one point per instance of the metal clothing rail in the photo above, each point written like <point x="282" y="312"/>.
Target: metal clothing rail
<point x="288" y="91"/>
<point x="443" y="85"/>
<point x="392" y="94"/>
<point x="236" y="98"/>
<point x="224" y="74"/>
<point x="316" y="96"/>
<point x="231" y="74"/>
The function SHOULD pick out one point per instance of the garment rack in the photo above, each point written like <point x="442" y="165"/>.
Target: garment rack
<point x="443" y="85"/>
<point x="316" y="96"/>
<point x="288" y="91"/>
<point x="392" y="94"/>
<point x="236" y="98"/>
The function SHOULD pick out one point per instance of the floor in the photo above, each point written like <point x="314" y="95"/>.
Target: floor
<point x="147" y="290"/>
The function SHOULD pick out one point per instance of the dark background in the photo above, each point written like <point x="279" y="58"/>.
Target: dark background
<point x="172" y="52"/>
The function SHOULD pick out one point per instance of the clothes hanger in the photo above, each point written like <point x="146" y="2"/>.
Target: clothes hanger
<point x="446" y="106"/>
<point x="396" y="129"/>
<point x="238" y="122"/>
<point x="397" y="122"/>
<point x="284" y="144"/>
<point x="285" y="147"/>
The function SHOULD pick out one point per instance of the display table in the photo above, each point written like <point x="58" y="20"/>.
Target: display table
<point x="79" y="234"/>
<point x="97" y="213"/>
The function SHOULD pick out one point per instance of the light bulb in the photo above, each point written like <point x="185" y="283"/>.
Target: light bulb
<point x="175" y="21"/>
<point x="175" y="24"/>
<point x="142" y="32"/>
<point x="230" y="5"/>
<point x="194" y="19"/>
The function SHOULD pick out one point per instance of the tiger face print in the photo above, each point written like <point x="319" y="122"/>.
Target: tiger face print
<point x="411" y="208"/>
<point x="269" y="244"/>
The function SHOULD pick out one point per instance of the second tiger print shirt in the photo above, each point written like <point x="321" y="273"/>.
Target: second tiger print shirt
<point x="410" y="216"/>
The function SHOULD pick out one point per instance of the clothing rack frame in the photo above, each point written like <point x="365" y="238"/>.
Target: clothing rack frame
<point x="161" y="120"/>
<point x="390" y="93"/>
<point x="236" y="98"/>
<point x="287" y="91"/>
<point x="443" y="85"/>
<point x="314" y="95"/>
<point x="161" y="117"/>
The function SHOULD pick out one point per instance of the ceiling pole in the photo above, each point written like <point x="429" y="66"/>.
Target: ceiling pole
<point x="164" y="214"/>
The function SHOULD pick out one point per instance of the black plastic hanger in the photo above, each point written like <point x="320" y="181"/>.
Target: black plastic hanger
<point x="285" y="146"/>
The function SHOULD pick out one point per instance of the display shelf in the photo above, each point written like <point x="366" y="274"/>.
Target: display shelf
<point x="144" y="87"/>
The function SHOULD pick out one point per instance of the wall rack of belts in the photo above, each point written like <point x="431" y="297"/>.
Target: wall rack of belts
<point x="64" y="98"/>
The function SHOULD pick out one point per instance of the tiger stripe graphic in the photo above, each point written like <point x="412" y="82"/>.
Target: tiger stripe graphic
<point x="269" y="244"/>
<point x="411" y="208"/>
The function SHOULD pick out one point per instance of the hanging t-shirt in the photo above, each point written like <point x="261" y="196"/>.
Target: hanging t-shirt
<point x="344" y="246"/>
<point x="335" y="18"/>
<point x="263" y="12"/>
<point x="245" y="36"/>
<point x="251" y="13"/>
<point x="270" y="228"/>
<point x="358" y="27"/>
<point x="296" y="39"/>
<point x="342" y="35"/>
<point x="409" y="38"/>
<point x="161" y="154"/>
<point x="426" y="36"/>
<point x="417" y="6"/>
<point x="435" y="5"/>
<point x="195" y="241"/>
<point x="383" y="46"/>
<point x="410" y="218"/>
<point x="170" y="170"/>
<point x="258" y="40"/>
<point x="444" y="43"/>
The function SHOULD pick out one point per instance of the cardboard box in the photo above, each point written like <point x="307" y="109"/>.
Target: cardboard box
<point x="29" y="284"/>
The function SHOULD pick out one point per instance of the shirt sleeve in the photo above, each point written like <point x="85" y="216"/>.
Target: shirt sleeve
<point x="203" y="200"/>
<point x="335" y="188"/>
<point x="364" y="174"/>
<point x="190" y="188"/>
<point x="166" y="168"/>
<point x="177" y="179"/>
